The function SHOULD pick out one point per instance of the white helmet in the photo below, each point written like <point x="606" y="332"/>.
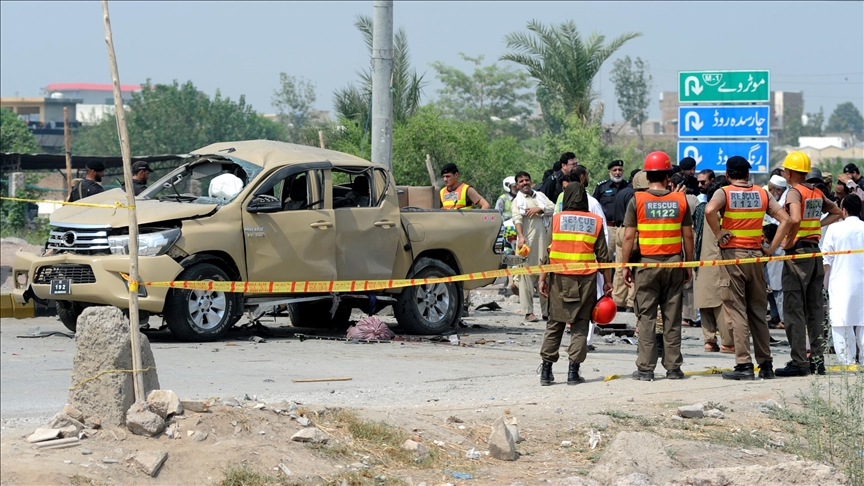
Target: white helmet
<point x="509" y="181"/>
<point x="225" y="186"/>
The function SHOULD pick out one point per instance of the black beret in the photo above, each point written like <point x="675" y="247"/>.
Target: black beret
<point x="687" y="163"/>
<point x="96" y="165"/>
<point x="449" y="168"/>
<point x="615" y="163"/>
<point x="736" y="162"/>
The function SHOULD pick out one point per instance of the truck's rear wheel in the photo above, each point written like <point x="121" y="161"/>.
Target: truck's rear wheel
<point x="317" y="315"/>
<point x="433" y="308"/>
<point x="68" y="313"/>
<point x="200" y="315"/>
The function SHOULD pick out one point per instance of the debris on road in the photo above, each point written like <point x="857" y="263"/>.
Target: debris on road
<point x="370" y="328"/>
<point x="164" y="403"/>
<point x="696" y="410"/>
<point x="149" y="461"/>
<point x="41" y="435"/>
<point x="316" y="380"/>
<point x="141" y="421"/>
<point x="501" y="444"/>
<point x="311" y="434"/>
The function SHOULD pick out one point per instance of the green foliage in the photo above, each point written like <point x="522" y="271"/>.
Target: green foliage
<point x="13" y="214"/>
<point x="293" y="101"/>
<point x="587" y="142"/>
<point x="14" y="135"/>
<point x="354" y="103"/>
<point x="564" y="64"/>
<point x="793" y="127"/>
<point x="487" y="94"/>
<point x="845" y="119"/>
<point x="632" y="88"/>
<point x="482" y="163"/>
<point x="175" y="119"/>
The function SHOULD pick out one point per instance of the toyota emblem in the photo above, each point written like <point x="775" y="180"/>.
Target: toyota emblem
<point x="69" y="238"/>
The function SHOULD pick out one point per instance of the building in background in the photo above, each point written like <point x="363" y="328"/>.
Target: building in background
<point x="44" y="117"/>
<point x="96" y="101"/>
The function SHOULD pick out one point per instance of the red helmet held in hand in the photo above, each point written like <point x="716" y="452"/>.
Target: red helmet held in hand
<point x="657" y="161"/>
<point x="604" y="311"/>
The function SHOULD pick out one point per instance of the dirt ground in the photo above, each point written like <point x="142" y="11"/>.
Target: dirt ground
<point x="444" y="396"/>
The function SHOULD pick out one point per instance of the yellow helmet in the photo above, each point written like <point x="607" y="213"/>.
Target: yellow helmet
<point x="797" y="161"/>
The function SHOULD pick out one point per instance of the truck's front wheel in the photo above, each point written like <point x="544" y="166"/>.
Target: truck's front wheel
<point x="200" y="315"/>
<point x="433" y="308"/>
<point x="68" y="313"/>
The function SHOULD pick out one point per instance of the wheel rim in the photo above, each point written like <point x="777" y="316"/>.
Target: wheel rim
<point x="207" y="308"/>
<point x="433" y="300"/>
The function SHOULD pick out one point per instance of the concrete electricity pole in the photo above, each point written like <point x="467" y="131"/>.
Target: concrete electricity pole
<point x="382" y="79"/>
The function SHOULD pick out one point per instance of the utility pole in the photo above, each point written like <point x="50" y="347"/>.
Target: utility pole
<point x="382" y="80"/>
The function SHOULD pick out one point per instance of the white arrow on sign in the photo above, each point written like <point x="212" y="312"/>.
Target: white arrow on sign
<point x="697" y="122"/>
<point x="691" y="151"/>
<point x="697" y="88"/>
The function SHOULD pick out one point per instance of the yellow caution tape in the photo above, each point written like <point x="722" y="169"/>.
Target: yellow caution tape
<point x="106" y="372"/>
<point x="66" y="203"/>
<point x="367" y="285"/>
<point x="716" y="371"/>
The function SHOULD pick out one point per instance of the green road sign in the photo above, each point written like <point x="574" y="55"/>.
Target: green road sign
<point x="724" y="86"/>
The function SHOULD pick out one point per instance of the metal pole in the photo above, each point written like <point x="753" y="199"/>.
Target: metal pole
<point x="68" y="151"/>
<point x="382" y="78"/>
<point x="125" y="150"/>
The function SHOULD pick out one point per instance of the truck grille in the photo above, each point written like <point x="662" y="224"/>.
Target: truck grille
<point x="79" y="274"/>
<point x="79" y="240"/>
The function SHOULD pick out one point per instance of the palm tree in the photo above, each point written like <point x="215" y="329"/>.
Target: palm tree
<point x="563" y="64"/>
<point x="353" y="103"/>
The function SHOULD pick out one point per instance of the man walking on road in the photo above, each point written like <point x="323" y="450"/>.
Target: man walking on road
<point x="803" y="311"/>
<point x="664" y="224"/>
<point x="532" y="213"/>
<point x="577" y="237"/>
<point x="742" y="287"/>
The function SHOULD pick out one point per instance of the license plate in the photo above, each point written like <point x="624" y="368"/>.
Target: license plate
<point x="60" y="287"/>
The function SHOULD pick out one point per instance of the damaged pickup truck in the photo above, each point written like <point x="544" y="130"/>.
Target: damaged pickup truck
<point x="263" y="211"/>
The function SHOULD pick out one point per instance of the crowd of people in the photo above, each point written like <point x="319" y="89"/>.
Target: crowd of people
<point x="667" y="213"/>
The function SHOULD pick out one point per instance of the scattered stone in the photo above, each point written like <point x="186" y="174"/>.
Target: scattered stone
<point x="87" y="433"/>
<point x="69" y="431"/>
<point x="67" y="461"/>
<point x="630" y="399"/>
<point x="566" y="443"/>
<point x="141" y="421"/>
<point x="599" y="422"/>
<point x="199" y="436"/>
<point x="41" y="435"/>
<point x="73" y="412"/>
<point x="198" y="406"/>
<point x="715" y="414"/>
<point x="103" y="343"/>
<point x="108" y="460"/>
<point x="311" y="434"/>
<point x="60" y="420"/>
<point x="284" y="469"/>
<point x="86" y="452"/>
<point x="559" y="410"/>
<point x="118" y="434"/>
<point x="416" y="447"/>
<point x="513" y="426"/>
<point x="358" y="465"/>
<point x="676" y="418"/>
<point x="257" y="339"/>
<point x="93" y="423"/>
<point x="303" y="421"/>
<point x="150" y="461"/>
<point x="697" y="410"/>
<point x="633" y="479"/>
<point x="454" y="420"/>
<point x="230" y="402"/>
<point x="501" y="444"/>
<point x="164" y="403"/>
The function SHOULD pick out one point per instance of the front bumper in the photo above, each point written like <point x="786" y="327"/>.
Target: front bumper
<point x="109" y="287"/>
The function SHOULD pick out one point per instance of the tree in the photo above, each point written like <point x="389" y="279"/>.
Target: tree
<point x="564" y="66"/>
<point x="14" y="134"/>
<point x="632" y="88"/>
<point x="354" y="103"/>
<point x="845" y="119"/>
<point x="587" y="141"/>
<point x="293" y="100"/>
<point x="794" y="127"/>
<point x="489" y="93"/>
<point x="175" y="119"/>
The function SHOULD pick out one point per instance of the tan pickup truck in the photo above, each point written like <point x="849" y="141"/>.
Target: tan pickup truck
<point x="263" y="211"/>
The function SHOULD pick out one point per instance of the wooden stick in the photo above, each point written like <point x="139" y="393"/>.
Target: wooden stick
<point x="431" y="172"/>
<point x="126" y="151"/>
<point x="68" y="152"/>
<point x="316" y="380"/>
<point x="321" y="138"/>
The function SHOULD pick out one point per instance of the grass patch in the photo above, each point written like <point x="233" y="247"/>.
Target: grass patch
<point x="79" y="480"/>
<point x="362" y="478"/>
<point x="828" y="425"/>
<point x="244" y="475"/>
<point x="627" y="418"/>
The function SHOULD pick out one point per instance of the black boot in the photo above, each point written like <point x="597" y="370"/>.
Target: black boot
<point x="742" y="372"/>
<point x="791" y="370"/>
<point x="817" y="365"/>
<point x="766" y="370"/>
<point x="573" y="377"/>
<point x="546" y="377"/>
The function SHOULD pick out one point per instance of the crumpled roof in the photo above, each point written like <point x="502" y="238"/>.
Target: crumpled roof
<point x="268" y="153"/>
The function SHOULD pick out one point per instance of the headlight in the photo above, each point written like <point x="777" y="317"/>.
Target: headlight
<point x="150" y="244"/>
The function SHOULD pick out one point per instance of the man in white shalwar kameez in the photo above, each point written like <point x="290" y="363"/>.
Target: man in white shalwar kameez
<point x="845" y="275"/>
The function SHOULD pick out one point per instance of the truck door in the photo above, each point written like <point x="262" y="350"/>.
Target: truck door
<point x="289" y="234"/>
<point x="367" y="222"/>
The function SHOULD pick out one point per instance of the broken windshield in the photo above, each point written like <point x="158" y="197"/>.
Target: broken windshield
<point x="208" y="180"/>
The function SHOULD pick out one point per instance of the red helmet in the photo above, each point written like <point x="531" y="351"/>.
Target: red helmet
<point x="657" y="161"/>
<point x="604" y="311"/>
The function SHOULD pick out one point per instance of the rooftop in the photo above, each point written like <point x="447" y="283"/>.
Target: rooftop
<point x="90" y="87"/>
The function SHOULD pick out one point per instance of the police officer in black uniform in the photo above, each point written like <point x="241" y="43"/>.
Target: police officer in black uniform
<point x="91" y="184"/>
<point x="607" y="191"/>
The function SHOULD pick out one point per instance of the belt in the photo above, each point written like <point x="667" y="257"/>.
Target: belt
<point x="616" y="224"/>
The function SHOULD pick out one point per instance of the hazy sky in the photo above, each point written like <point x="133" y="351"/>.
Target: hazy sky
<point x="240" y="48"/>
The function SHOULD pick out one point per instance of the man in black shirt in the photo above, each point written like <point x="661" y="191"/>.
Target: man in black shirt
<point x="90" y="185"/>
<point x="140" y="175"/>
<point x="607" y="191"/>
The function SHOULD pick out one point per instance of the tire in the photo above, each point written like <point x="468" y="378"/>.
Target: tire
<point x="200" y="315"/>
<point x="429" y="309"/>
<point x="317" y="315"/>
<point x="68" y="313"/>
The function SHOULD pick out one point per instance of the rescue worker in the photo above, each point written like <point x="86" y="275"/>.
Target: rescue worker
<point x="803" y="311"/>
<point x="91" y="184"/>
<point x="458" y="195"/>
<point x="743" y="289"/>
<point x="577" y="236"/>
<point x="505" y="201"/>
<point x="664" y="222"/>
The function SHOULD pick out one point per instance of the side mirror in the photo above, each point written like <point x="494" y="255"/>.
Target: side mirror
<point x="264" y="203"/>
